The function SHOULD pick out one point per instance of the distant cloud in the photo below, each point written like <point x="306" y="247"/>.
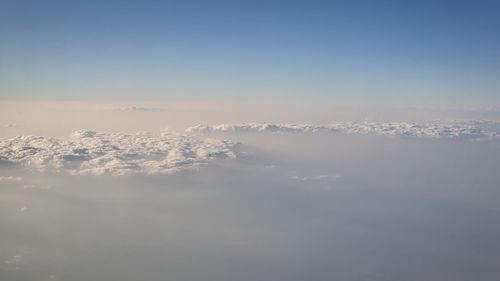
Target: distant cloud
<point x="92" y="153"/>
<point x="142" y="109"/>
<point x="478" y="129"/>
<point x="14" y="261"/>
<point x="10" y="178"/>
<point x="316" y="178"/>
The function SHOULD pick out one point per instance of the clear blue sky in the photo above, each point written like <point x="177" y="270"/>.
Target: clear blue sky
<point x="387" y="50"/>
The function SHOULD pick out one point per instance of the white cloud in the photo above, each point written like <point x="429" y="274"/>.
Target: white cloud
<point x="92" y="153"/>
<point x="478" y="129"/>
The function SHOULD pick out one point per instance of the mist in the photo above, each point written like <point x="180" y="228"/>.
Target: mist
<point x="289" y="207"/>
<point x="61" y="118"/>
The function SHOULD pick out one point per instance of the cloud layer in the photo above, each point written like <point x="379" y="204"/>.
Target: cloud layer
<point x="92" y="153"/>
<point x="455" y="129"/>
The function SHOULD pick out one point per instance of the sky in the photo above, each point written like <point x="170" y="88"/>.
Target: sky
<point x="414" y="52"/>
<point x="249" y="140"/>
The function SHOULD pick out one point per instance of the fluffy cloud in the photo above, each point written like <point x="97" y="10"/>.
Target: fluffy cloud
<point x="92" y="153"/>
<point x="454" y="129"/>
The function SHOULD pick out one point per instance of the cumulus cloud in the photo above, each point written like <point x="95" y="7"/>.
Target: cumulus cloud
<point x="478" y="129"/>
<point x="92" y="153"/>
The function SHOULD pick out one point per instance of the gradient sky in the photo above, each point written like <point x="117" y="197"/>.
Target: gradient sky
<point x="415" y="51"/>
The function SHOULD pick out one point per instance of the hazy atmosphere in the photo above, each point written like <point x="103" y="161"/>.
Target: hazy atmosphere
<point x="249" y="140"/>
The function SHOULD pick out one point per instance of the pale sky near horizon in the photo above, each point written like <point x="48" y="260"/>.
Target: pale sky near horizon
<point x="413" y="52"/>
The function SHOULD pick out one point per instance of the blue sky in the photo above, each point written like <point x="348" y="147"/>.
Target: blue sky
<point x="443" y="51"/>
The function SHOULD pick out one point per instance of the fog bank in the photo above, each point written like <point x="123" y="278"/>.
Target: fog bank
<point x="291" y="207"/>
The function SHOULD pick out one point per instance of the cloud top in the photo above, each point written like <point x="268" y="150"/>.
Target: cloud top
<point x="93" y="153"/>
<point x="454" y="129"/>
